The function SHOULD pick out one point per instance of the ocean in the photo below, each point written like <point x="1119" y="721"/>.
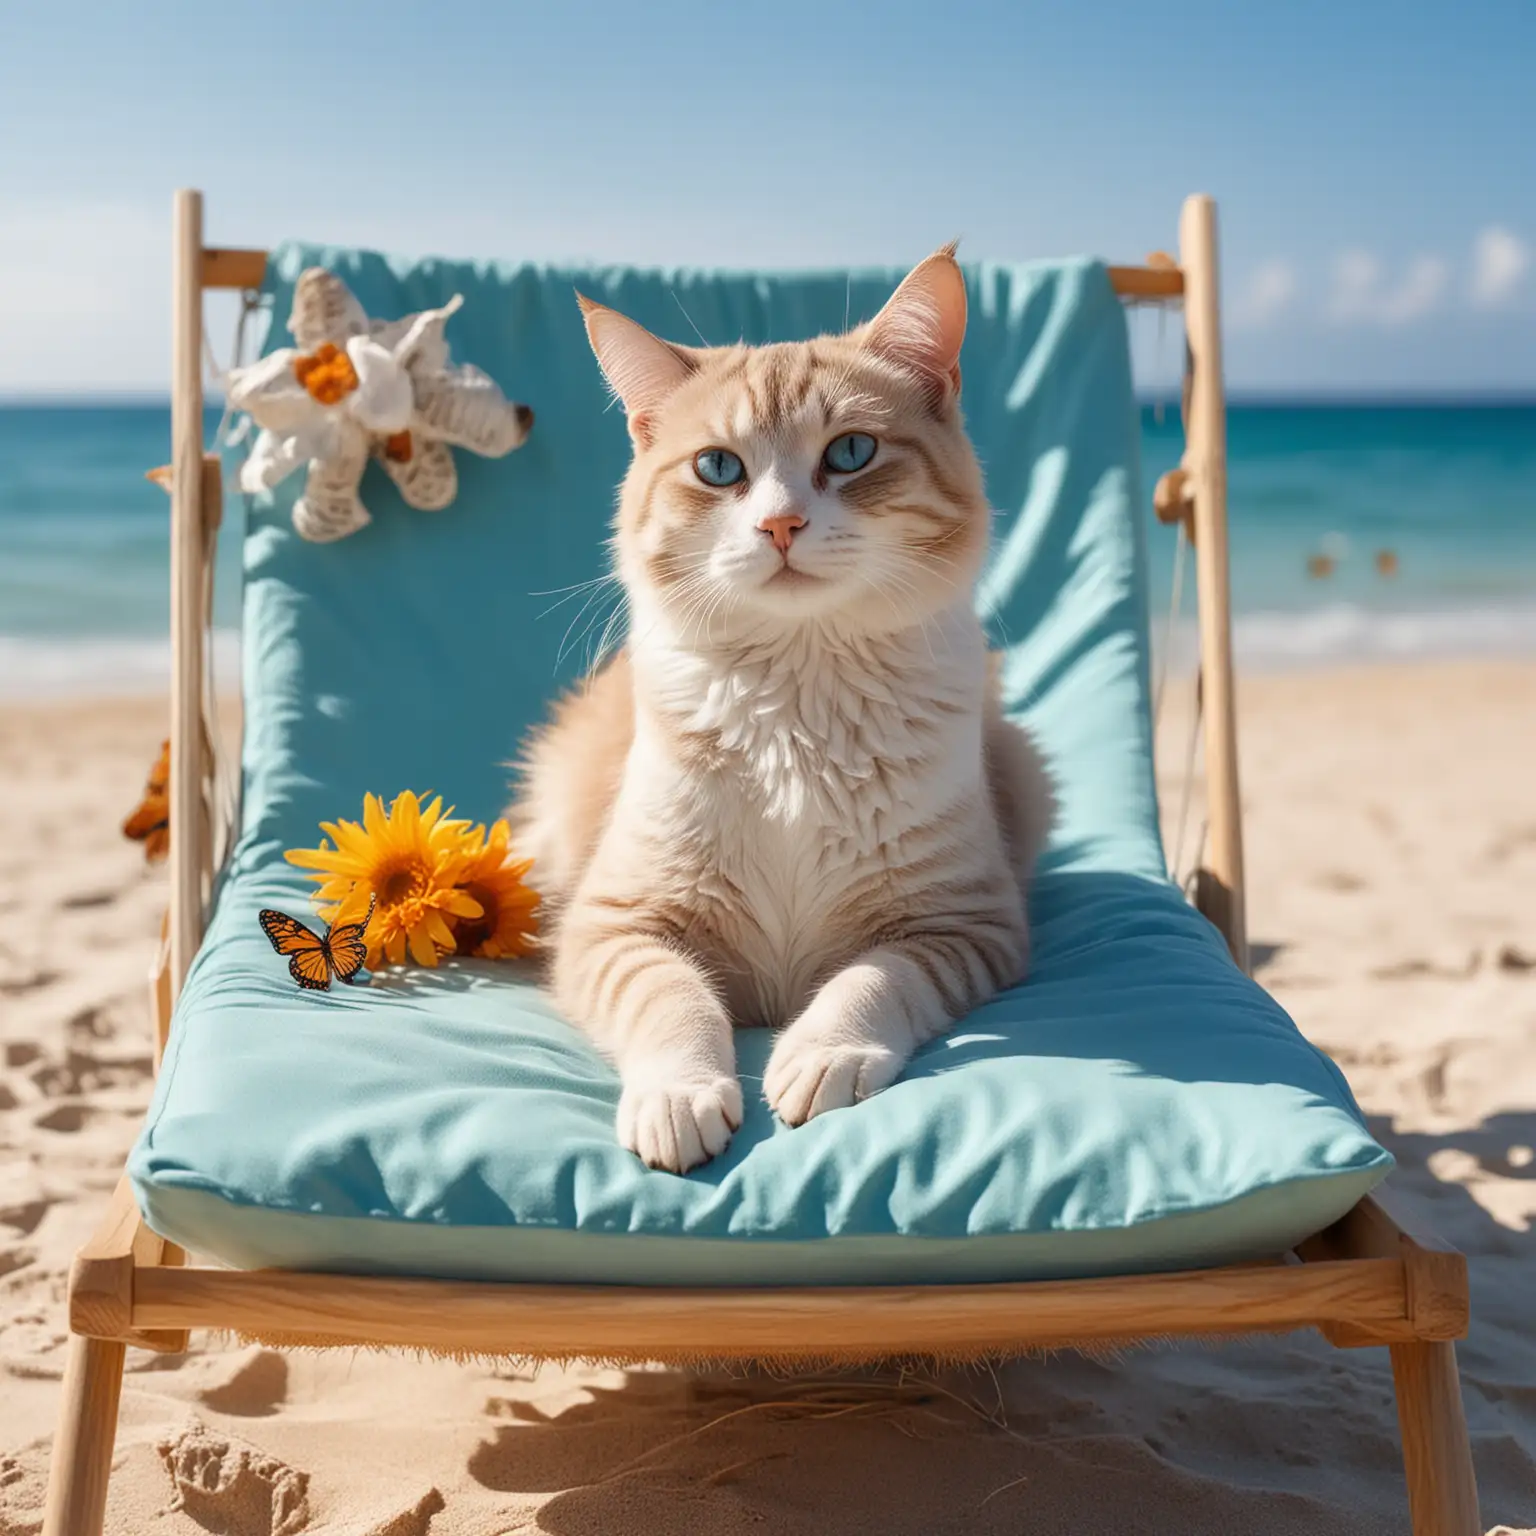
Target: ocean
<point x="1358" y="532"/>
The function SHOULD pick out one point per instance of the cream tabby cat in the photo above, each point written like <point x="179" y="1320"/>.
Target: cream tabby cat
<point x="792" y="800"/>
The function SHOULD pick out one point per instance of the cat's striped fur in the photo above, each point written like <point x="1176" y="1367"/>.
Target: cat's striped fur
<point x="791" y="800"/>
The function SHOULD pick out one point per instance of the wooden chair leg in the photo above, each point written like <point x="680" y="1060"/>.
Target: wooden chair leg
<point x="1437" y="1456"/>
<point x="82" y="1448"/>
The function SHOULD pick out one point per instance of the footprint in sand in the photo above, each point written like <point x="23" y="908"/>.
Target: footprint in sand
<point x="84" y="1072"/>
<point x="25" y="1216"/>
<point x="411" y="1520"/>
<point x="1339" y="880"/>
<point x="12" y="1259"/>
<point x="20" y="985"/>
<point x="96" y="1023"/>
<point x="1404" y="970"/>
<point x="255" y="1384"/>
<point x="234" y="1488"/>
<point x="66" y="1118"/>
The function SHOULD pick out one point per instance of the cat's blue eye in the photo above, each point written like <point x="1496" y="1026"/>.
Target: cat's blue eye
<point x="851" y="451"/>
<point x="718" y="466"/>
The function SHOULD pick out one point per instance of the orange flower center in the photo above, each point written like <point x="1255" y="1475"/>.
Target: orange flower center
<point x="402" y="885"/>
<point x="397" y="446"/>
<point x="327" y="373"/>
<point x="471" y="932"/>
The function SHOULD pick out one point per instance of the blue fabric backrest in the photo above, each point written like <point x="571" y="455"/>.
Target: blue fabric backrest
<point x="425" y="646"/>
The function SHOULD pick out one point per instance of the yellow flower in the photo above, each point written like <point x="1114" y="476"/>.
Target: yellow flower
<point x="409" y="863"/>
<point x="506" y="926"/>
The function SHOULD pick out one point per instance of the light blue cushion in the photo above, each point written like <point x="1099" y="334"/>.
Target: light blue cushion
<point x="1136" y="1104"/>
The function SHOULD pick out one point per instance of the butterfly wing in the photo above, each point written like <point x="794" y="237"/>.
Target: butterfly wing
<point x="347" y="946"/>
<point x="308" y="962"/>
<point x="311" y="968"/>
<point x="288" y="935"/>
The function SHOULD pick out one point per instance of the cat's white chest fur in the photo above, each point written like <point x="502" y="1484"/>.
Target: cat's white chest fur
<point x="795" y="773"/>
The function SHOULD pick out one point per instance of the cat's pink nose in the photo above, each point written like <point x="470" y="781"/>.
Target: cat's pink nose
<point x="782" y="529"/>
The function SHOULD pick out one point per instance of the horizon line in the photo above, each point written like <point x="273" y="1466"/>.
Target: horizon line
<point x="1472" y="397"/>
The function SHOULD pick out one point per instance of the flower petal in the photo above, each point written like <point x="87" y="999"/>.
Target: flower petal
<point x="461" y="904"/>
<point x="322" y="858"/>
<point x="423" y="951"/>
<point x="406" y="814"/>
<point x="394" y="947"/>
<point x="348" y="837"/>
<point x="353" y="905"/>
<point x="373" y="817"/>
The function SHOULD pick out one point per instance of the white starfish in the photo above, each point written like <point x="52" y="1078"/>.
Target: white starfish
<point x="354" y="388"/>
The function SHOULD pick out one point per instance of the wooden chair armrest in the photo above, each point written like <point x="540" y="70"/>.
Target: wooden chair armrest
<point x="1435" y="1273"/>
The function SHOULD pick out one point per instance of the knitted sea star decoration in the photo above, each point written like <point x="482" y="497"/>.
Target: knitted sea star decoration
<point x="354" y="388"/>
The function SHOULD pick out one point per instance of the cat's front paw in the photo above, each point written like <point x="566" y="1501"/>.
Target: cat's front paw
<point x="810" y="1073"/>
<point x="676" y="1126"/>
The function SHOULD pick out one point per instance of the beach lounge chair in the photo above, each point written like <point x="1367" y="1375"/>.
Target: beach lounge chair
<point x="1135" y="1143"/>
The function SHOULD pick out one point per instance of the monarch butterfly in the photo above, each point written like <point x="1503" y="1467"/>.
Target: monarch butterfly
<point x="150" y="822"/>
<point x="313" y="960"/>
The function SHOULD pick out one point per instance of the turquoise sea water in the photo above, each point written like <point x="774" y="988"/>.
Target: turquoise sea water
<point x="1450" y="490"/>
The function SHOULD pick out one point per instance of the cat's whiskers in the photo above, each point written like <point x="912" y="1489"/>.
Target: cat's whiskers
<point x="571" y="592"/>
<point x="606" y="644"/>
<point x="696" y="590"/>
<point x="592" y="597"/>
<point x="689" y="318"/>
<point x="885" y="574"/>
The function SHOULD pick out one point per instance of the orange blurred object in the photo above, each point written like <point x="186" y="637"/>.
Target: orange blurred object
<point x="150" y="823"/>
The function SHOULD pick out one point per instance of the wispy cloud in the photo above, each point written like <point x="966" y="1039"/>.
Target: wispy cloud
<point x="1268" y="294"/>
<point x="1499" y="264"/>
<point x="1418" y="293"/>
<point x="1363" y="296"/>
<point x="1356" y="282"/>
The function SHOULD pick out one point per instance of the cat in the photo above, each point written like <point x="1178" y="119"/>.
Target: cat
<point x="792" y="799"/>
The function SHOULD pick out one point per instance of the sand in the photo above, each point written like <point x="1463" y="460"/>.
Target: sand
<point x="1392" y="856"/>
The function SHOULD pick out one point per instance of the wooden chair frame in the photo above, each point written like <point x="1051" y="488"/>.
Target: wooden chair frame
<point x="1363" y="1281"/>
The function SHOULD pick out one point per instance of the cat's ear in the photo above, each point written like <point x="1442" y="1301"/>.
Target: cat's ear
<point x="641" y="369"/>
<point x="923" y="324"/>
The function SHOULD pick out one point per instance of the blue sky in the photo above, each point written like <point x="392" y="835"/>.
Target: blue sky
<point x="1375" y="163"/>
